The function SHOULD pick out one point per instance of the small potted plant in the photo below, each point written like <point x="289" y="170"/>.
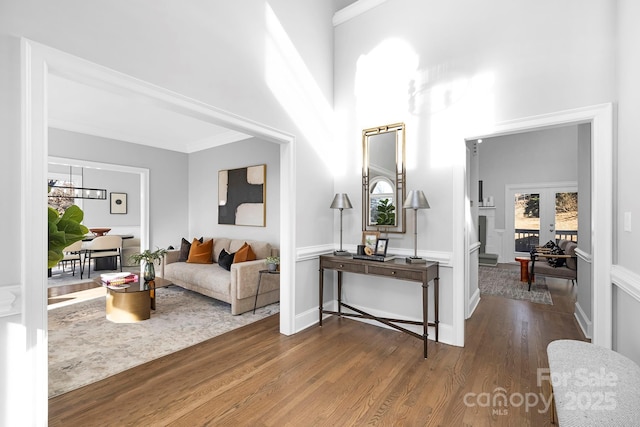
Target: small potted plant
<point x="272" y="263"/>
<point x="149" y="259"/>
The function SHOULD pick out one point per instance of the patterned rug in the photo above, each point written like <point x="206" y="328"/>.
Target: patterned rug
<point x="85" y="347"/>
<point x="506" y="283"/>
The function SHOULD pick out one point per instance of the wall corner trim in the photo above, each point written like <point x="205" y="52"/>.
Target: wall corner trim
<point x="10" y="300"/>
<point x="583" y="321"/>
<point x="626" y="280"/>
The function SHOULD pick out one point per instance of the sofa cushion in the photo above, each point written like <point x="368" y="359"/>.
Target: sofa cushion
<point x="245" y="253"/>
<point x="225" y="259"/>
<point x="556" y="262"/>
<point x="261" y="249"/>
<point x="200" y="253"/>
<point x="185" y="247"/>
<point x="209" y="276"/>
<point x="219" y="244"/>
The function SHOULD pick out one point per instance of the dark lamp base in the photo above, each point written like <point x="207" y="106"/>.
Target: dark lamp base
<point x="416" y="260"/>
<point x="341" y="253"/>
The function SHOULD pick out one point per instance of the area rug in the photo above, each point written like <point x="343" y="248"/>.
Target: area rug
<point x="506" y="283"/>
<point x="85" y="347"/>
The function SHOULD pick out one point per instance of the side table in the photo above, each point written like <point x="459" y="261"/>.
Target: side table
<point x="260" y="273"/>
<point x="524" y="269"/>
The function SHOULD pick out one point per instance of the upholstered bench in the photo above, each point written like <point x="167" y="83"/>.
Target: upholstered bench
<point x="593" y="386"/>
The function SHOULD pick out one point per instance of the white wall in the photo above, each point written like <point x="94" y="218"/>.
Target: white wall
<point x="451" y="70"/>
<point x="626" y="273"/>
<point x="203" y="190"/>
<point x="543" y="156"/>
<point x="584" y="298"/>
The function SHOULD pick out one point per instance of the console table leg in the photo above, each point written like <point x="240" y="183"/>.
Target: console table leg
<point x="436" y="301"/>
<point x="425" y="315"/>
<point x="340" y="293"/>
<point x="321" y="286"/>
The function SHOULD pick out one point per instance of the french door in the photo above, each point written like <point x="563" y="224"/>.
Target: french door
<point x="537" y="214"/>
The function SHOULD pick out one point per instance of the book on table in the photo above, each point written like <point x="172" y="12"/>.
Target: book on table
<point x="379" y="258"/>
<point x="115" y="279"/>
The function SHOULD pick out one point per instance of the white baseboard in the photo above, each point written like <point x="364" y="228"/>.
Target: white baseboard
<point x="310" y="318"/>
<point x="306" y="320"/>
<point x="583" y="321"/>
<point x="473" y="302"/>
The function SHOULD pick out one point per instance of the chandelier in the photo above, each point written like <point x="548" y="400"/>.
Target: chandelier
<point x="69" y="191"/>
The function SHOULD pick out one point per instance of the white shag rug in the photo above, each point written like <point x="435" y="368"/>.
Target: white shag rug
<point x="85" y="347"/>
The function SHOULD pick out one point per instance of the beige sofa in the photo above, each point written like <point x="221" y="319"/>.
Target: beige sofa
<point x="236" y="287"/>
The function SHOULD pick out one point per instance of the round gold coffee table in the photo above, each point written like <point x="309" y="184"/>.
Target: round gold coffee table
<point x="133" y="303"/>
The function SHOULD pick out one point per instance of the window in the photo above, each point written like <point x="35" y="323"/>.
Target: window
<point x="381" y="202"/>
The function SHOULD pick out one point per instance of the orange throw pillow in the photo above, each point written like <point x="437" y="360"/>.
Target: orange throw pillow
<point x="245" y="253"/>
<point x="200" y="253"/>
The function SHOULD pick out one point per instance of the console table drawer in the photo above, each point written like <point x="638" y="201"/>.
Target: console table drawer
<point x="344" y="266"/>
<point x="397" y="274"/>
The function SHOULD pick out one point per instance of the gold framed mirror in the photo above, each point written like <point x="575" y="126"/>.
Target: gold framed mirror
<point x="383" y="178"/>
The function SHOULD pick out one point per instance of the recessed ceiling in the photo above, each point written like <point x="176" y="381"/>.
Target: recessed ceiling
<point x="81" y="108"/>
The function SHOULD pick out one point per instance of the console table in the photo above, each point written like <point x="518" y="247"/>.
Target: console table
<point x="396" y="269"/>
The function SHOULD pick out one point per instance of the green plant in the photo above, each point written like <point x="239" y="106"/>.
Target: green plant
<point x="386" y="213"/>
<point x="149" y="257"/>
<point x="272" y="260"/>
<point x="63" y="231"/>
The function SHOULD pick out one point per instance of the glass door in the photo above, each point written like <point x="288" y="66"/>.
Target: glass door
<point x="542" y="214"/>
<point x="566" y="216"/>
<point x="526" y="214"/>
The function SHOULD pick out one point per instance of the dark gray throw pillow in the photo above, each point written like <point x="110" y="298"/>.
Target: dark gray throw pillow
<point x="225" y="259"/>
<point x="185" y="247"/>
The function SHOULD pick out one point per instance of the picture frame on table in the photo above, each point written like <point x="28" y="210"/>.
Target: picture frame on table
<point x="370" y="238"/>
<point x="381" y="247"/>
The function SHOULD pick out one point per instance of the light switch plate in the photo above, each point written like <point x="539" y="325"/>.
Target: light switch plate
<point x="627" y="222"/>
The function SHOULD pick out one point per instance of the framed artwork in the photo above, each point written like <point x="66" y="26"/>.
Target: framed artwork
<point x="369" y="239"/>
<point x="118" y="203"/>
<point x="242" y="195"/>
<point x="381" y="247"/>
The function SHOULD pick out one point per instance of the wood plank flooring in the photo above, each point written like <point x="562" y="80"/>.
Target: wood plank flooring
<point x="345" y="373"/>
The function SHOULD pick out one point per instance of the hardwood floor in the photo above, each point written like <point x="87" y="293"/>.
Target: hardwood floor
<point x="344" y="373"/>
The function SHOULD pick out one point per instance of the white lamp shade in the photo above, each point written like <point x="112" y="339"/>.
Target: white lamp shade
<point x="341" y="201"/>
<point x="416" y="200"/>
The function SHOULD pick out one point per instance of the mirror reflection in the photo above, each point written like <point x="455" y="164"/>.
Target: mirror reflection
<point x="383" y="178"/>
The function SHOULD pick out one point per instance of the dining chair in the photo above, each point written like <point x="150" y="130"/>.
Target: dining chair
<point x="103" y="247"/>
<point x="73" y="253"/>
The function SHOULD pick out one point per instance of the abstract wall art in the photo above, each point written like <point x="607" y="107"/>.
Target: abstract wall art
<point x="242" y="196"/>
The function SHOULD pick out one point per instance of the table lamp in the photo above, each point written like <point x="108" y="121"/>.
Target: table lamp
<point x="415" y="200"/>
<point x="341" y="201"/>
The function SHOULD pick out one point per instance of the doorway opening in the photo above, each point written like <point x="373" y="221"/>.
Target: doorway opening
<point x="598" y="251"/>
<point x="39" y="62"/>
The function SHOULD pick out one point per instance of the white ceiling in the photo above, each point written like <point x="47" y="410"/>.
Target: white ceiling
<point x="81" y="108"/>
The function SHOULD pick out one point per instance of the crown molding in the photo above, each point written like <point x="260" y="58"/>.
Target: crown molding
<point x="354" y="10"/>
